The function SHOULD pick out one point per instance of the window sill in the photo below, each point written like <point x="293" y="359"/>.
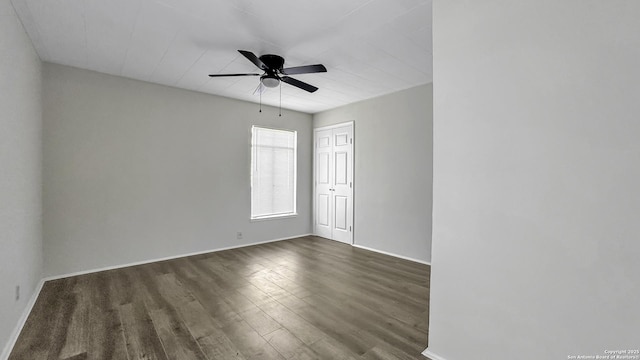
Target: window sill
<point x="274" y="217"/>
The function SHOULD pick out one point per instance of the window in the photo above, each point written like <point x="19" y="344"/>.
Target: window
<point x="273" y="173"/>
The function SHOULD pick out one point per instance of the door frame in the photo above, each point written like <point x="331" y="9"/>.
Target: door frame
<point x="353" y="176"/>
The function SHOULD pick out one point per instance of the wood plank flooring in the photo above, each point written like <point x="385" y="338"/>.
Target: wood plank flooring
<point x="305" y="298"/>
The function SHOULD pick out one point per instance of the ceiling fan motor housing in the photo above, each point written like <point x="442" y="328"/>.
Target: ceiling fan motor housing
<point x="273" y="62"/>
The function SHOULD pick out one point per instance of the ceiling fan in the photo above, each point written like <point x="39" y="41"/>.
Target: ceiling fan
<point x="274" y="73"/>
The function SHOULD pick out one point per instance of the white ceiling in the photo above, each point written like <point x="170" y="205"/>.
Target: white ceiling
<point x="370" y="47"/>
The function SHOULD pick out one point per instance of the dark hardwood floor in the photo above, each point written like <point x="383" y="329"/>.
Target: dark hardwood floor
<point x="306" y="298"/>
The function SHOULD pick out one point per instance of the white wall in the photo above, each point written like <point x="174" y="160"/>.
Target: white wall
<point x="20" y="170"/>
<point x="536" y="251"/>
<point x="135" y="171"/>
<point x="393" y="170"/>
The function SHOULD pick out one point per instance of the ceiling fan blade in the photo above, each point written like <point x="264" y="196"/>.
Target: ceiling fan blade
<point x="299" y="84"/>
<point x="221" y="75"/>
<point x="253" y="58"/>
<point x="304" y="69"/>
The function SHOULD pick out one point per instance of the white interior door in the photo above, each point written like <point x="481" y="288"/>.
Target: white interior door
<point x="334" y="182"/>
<point x="323" y="198"/>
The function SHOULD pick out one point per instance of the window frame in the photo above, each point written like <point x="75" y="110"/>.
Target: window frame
<point x="252" y="153"/>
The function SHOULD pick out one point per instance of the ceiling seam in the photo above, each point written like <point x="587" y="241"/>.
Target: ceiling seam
<point x="191" y="66"/>
<point x="175" y="36"/>
<point x="86" y="44"/>
<point x="224" y="67"/>
<point x="45" y="48"/>
<point x="133" y="30"/>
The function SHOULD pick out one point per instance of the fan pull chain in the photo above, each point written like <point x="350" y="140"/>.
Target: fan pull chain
<point x="280" y="110"/>
<point x="260" y="100"/>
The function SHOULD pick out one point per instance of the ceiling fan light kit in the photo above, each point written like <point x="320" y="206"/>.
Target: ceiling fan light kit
<point x="270" y="81"/>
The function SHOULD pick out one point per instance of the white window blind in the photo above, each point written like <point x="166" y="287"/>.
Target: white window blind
<point x="273" y="172"/>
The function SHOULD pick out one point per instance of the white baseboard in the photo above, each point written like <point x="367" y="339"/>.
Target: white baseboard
<point x="392" y="254"/>
<point x="21" y="321"/>
<point x="431" y="355"/>
<point x="84" y="272"/>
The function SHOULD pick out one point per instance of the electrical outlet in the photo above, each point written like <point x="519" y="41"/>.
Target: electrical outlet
<point x="17" y="292"/>
<point x="239" y="235"/>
